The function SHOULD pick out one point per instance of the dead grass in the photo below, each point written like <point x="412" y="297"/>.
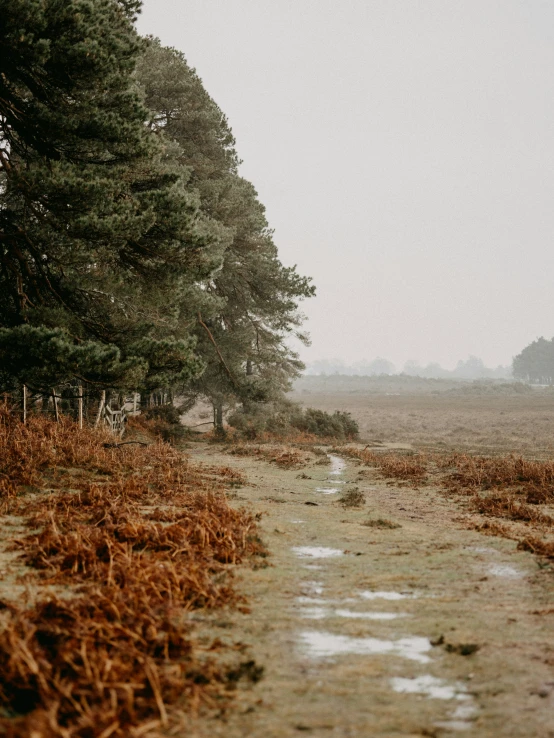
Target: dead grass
<point x="139" y="536"/>
<point x="284" y="456"/>
<point x="509" y="488"/>
<point x="441" y="421"/>
<point x="381" y="523"/>
<point x="392" y="465"/>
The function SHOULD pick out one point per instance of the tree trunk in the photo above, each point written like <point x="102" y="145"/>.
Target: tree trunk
<point x="218" y="420"/>
<point x="24" y="403"/>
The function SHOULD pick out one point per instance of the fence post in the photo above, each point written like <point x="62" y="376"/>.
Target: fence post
<point x="24" y="403"/>
<point x="100" y="408"/>
<point x="55" y="399"/>
<point x="80" y="406"/>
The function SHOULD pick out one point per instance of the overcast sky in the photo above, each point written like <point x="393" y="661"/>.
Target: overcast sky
<point x="404" y="150"/>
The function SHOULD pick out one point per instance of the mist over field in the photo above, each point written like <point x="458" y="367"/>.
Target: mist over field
<point x="403" y="151"/>
<point x="471" y="368"/>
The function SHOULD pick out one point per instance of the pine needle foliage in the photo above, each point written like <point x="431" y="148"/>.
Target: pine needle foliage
<point x="98" y="235"/>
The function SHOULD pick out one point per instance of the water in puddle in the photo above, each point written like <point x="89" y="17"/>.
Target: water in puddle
<point x="316" y="552"/>
<point x="298" y="522"/>
<point x="369" y="615"/>
<point x="504" y="570"/>
<point x="307" y="600"/>
<point x="370" y="595"/>
<point x="439" y="689"/>
<point x="321" y="644"/>
<point x="327" y="490"/>
<point x="318" y="613"/>
<point x="314" y="613"/>
<point x="337" y="465"/>
<point x="462" y="717"/>
<point x="430" y="686"/>
<point x="312" y="587"/>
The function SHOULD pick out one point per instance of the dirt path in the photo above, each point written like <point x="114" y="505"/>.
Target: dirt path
<point x="345" y="617"/>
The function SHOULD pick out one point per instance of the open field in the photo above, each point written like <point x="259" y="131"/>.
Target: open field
<point x="437" y="414"/>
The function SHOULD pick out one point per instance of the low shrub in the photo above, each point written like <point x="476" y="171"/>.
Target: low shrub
<point x="352" y="498"/>
<point x="286" y="420"/>
<point x="165" y="422"/>
<point x="381" y="523"/>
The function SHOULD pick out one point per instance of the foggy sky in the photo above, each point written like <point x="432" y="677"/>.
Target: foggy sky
<point x="404" y="151"/>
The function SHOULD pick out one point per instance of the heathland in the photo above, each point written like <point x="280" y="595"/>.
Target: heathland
<point x="485" y="417"/>
<point x="391" y="585"/>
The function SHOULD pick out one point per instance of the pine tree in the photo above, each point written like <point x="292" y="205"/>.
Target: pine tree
<point x="241" y="333"/>
<point x="101" y="236"/>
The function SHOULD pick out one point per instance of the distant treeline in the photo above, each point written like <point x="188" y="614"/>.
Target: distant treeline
<point x="471" y="368"/>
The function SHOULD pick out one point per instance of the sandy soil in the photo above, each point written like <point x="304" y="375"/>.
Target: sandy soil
<point x="345" y="616"/>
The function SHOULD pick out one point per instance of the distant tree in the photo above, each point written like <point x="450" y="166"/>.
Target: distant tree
<point x="412" y="368"/>
<point x="377" y="366"/>
<point x="471" y="368"/>
<point x="536" y="362"/>
<point x="326" y="366"/>
<point x="100" y="235"/>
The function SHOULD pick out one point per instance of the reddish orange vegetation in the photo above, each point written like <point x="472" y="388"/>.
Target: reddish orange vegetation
<point x="140" y="536"/>
<point x="392" y="465"/>
<point x="509" y="488"/>
<point x="286" y="457"/>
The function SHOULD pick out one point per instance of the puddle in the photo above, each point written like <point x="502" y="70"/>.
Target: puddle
<point x="312" y="588"/>
<point x="321" y="644"/>
<point x="369" y="615"/>
<point x="439" y="689"/>
<point x="369" y="595"/>
<point x="297" y="522"/>
<point x="338" y="465"/>
<point x="316" y="552"/>
<point x="327" y="490"/>
<point x="307" y="600"/>
<point x="467" y="710"/>
<point x="504" y="570"/>
<point x="314" y="613"/>
<point x="430" y="686"/>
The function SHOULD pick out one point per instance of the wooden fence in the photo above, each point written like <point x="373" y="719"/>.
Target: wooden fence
<point x="116" y="419"/>
<point x="113" y="418"/>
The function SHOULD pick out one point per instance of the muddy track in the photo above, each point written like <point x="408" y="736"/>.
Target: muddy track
<point x="427" y="628"/>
